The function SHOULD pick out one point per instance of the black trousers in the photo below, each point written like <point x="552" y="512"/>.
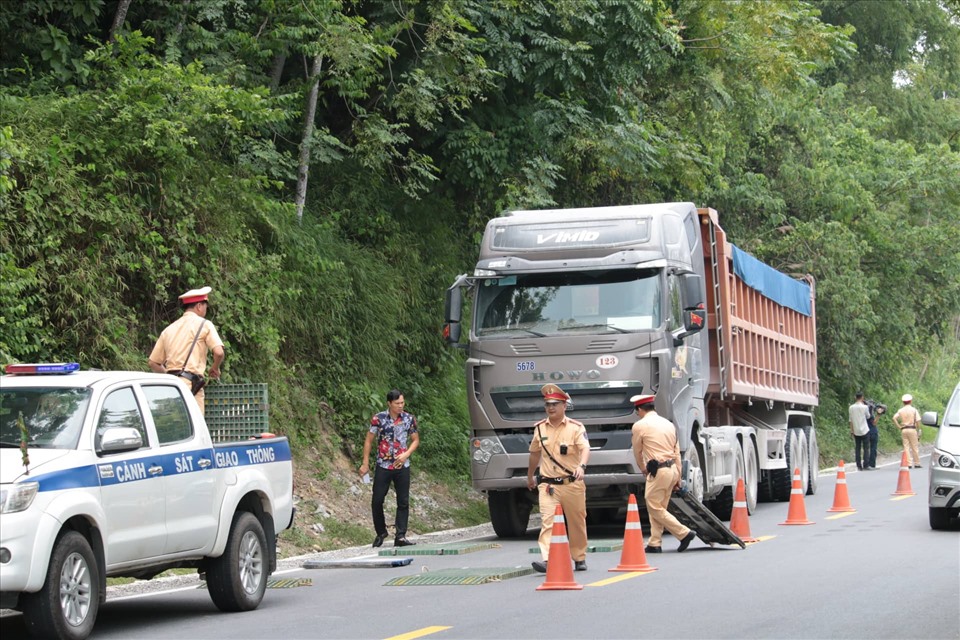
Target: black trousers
<point x="401" y="485"/>
<point x="872" y="437"/>
<point x="861" y="443"/>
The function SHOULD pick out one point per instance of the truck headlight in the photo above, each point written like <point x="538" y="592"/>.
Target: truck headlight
<point x="17" y="497"/>
<point x="943" y="459"/>
<point x="485" y="448"/>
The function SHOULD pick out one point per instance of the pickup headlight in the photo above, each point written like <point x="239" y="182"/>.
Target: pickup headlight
<point x="17" y="497"/>
<point x="943" y="459"/>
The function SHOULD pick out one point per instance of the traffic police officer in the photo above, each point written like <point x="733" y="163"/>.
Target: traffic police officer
<point x="181" y="349"/>
<point x="561" y="449"/>
<point x="657" y="452"/>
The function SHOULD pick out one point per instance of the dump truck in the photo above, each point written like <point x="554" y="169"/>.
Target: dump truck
<point x="610" y="302"/>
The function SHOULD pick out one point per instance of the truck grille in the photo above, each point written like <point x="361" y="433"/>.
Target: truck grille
<point x="526" y="405"/>
<point x="531" y="348"/>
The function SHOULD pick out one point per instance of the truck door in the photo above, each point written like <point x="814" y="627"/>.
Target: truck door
<point x="131" y="485"/>
<point x="190" y="480"/>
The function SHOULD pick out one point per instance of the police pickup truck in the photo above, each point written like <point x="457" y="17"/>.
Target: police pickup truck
<point x="114" y="473"/>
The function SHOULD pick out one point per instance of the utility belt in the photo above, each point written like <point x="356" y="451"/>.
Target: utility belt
<point x="566" y="480"/>
<point x="196" y="382"/>
<point x="905" y="428"/>
<point x="654" y="465"/>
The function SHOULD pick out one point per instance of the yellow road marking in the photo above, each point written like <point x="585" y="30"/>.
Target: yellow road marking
<point x="840" y="515"/>
<point x="419" y="633"/>
<point x="620" y="578"/>
<point x="761" y="539"/>
<point x="895" y="498"/>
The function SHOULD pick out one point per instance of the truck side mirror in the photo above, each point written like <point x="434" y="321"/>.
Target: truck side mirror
<point x="452" y="311"/>
<point x="692" y="291"/>
<point x="694" y="320"/>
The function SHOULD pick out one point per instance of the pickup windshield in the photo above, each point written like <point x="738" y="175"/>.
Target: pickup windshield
<point x="53" y="416"/>
<point x="551" y="304"/>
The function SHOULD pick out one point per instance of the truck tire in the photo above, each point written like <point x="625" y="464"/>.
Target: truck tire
<point x="722" y="505"/>
<point x="813" y="460"/>
<point x="509" y="513"/>
<point x="237" y="580"/>
<point x="781" y="480"/>
<point x="751" y="474"/>
<point x="67" y="604"/>
<point x="695" y="485"/>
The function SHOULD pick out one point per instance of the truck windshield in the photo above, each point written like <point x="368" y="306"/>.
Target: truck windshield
<point x="546" y="304"/>
<point x="53" y="416"/>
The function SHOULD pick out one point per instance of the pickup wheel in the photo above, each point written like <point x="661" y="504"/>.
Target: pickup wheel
<point x="237" y="580"/>
<point x="67" y="604"/>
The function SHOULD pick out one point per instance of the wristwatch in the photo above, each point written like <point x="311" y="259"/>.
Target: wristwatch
<point x="583" y="465"/>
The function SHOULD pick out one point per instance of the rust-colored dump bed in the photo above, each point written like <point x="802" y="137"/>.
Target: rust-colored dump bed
<point x="759" y="348"/>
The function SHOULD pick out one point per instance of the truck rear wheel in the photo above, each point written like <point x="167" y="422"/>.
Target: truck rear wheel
<point x="751" y="474"/>
<point x="782" y="479"/>
<point x="509" y="513"/>
<point x="237" y="580"/>
<point x="813" y="460"/>
<point x="67" y="604"/>
<point x="722" y="505"/>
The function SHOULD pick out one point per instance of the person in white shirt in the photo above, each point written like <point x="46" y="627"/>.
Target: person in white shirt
<point x="859" y="429"/>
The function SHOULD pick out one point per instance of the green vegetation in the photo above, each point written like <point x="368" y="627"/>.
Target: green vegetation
<point x="148" y="153"/>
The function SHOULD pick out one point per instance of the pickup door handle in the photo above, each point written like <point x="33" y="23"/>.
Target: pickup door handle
<point x="203" y="463"/>
<point x="155" y="470"/>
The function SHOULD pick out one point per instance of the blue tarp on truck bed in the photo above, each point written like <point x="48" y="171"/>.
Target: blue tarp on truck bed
<point x="777" y="286"/>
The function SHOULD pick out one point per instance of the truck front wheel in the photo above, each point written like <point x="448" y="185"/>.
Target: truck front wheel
<point x="237" y="580"/>
<point x="509" y="513"/>
<point x="67" y="604"/>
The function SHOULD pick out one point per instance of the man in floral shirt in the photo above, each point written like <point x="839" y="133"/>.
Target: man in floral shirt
<point x="397" y="439"/>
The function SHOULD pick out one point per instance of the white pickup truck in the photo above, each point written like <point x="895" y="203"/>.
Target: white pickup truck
<point x="114" y="473"/>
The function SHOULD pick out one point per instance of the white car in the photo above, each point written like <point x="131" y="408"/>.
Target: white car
<point x="944" y="496"/>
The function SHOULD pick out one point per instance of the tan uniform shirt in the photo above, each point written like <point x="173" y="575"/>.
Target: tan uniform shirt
<point x="655" y="437"/>
<point x="174" y="344"/>
<point x="550" y="438"/>
<point x="907" y="416"/>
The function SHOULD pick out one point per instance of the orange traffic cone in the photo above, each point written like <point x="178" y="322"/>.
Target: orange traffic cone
<point x="841" y="501"/>
<point x="797" y="513"/>
<point x="633" y="557"/>
<point x="903" y="481"/>
<point x="739" y="519"/>
<point x="559" y="563"/>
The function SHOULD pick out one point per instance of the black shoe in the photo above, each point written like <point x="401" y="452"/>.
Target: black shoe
<point x="378" y="541"/>
<point x="650" y="549"/>
<point x="539" y="567"/>
<point x="579" y="565"/>
<point x="687" y="539"/>
<point x="403" y="542"/>
<point x="867" y="469"/>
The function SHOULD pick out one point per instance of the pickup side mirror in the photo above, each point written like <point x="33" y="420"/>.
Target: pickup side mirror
<point x="120" y="439"/>
<point x="931" y="419"/>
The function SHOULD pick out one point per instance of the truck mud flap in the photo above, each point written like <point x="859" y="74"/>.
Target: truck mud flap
<point x="709" y="527"/>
